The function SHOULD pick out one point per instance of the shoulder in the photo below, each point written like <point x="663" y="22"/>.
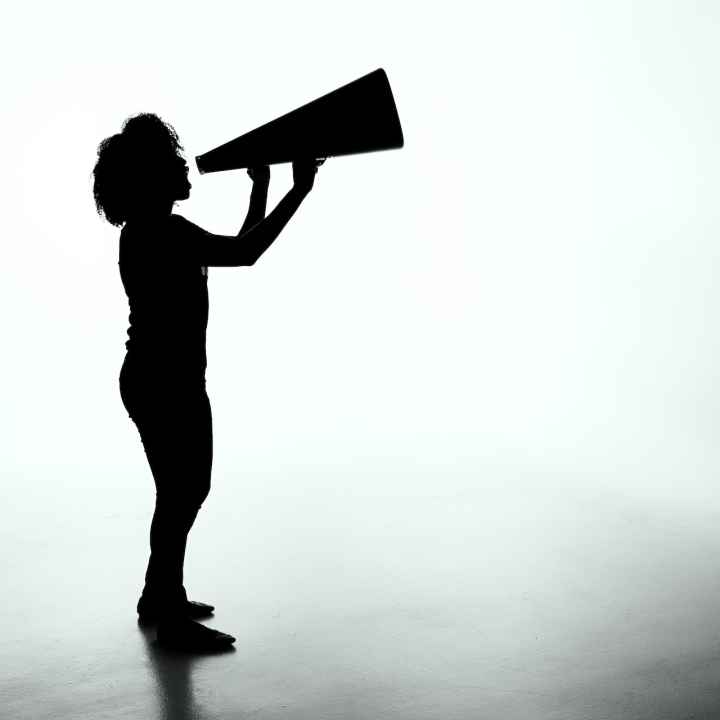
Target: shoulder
<point x="181" y="224"/>
<point x="176" y="219"/>
<point x="187" y="229"/>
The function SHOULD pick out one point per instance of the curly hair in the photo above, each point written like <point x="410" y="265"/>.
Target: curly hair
<point x="139" y="164"/>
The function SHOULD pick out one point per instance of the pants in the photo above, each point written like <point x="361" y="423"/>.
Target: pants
<point x="174" y="420"/>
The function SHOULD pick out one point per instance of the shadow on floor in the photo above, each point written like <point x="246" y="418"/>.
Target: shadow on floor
<point x="173" y="672"/>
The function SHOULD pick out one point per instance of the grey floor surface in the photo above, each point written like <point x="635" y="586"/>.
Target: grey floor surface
<point x="431" y="598"/>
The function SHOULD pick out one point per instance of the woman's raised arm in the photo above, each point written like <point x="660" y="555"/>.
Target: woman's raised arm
<point x="258" y="196"/>
<point x="253" y="239"/>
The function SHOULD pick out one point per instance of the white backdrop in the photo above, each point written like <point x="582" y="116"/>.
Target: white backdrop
<point x="525" y="290"/>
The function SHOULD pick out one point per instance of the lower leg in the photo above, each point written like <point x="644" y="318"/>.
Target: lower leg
<point x="168" y="540"/>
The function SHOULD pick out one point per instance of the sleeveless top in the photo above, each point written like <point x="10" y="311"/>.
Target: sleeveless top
<point x="167" y="295"/>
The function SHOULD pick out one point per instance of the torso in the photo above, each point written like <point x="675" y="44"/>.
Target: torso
<point x="168" y="299"/>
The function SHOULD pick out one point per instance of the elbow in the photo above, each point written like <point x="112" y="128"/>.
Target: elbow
<point x="253" y="256"/>
<point x="243" y="259"/>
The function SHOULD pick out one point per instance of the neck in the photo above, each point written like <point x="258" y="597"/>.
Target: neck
<point x="154" y="212"/>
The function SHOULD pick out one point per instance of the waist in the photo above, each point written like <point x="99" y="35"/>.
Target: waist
<point x="164" y="370"/>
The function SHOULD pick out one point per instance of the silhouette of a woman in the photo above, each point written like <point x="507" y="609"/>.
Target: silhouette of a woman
<point x="139" y="174"/>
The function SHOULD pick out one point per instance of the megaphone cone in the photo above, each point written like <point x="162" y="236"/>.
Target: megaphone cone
<point x="359" y="117"/>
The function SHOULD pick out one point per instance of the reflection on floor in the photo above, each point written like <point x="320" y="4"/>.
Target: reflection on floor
<point x="420" y="598"/>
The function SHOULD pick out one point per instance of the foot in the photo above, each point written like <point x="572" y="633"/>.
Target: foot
<point x="186" y="634"/>
<point x="149" y="612"/>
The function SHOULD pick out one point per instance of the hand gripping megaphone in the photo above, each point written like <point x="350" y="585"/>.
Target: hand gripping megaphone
<point x="359" y="117"/>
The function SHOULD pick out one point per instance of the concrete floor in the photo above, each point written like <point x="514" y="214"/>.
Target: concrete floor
<point x="453" y="599"/>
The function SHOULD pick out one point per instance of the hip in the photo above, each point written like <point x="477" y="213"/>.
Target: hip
<point x="161" y="386"/>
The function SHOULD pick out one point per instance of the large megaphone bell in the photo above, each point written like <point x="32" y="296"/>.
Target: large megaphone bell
<point x="359" y="117"/>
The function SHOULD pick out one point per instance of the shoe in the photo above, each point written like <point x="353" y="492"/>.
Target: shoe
<point x="148" y="612"/>
<point x="191" y="636"/>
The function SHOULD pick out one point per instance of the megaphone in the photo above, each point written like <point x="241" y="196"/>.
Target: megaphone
<point x="359" y="117"/>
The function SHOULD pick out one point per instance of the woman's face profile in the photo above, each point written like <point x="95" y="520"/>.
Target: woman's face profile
<point x="181" y="183"/>
<point x="161" y="183"/>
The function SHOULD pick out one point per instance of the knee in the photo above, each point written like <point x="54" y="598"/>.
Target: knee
<point x="185" y="502"/>
<point x="201" y="493"/>
<point x="196" y="495"/>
